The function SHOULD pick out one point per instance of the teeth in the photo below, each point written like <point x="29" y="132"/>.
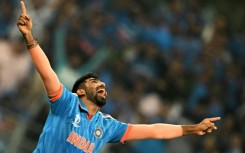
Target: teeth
<point x="100" y="90"/>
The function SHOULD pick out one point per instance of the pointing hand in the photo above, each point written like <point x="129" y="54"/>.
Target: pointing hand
<point x="206" y="126"/>
<point x="24" y="23"/>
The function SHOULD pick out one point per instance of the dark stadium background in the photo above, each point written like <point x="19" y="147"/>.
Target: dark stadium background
<point x="172" y="61"/>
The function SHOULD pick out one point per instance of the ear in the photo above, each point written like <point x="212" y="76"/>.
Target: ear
<point x="81" y="92"/>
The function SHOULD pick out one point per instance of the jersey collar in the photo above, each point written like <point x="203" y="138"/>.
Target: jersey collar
<point x="84" y="108"/>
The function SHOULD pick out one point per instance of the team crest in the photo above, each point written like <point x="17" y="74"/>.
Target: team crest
<point x="98" y="132"/>
<point x="76" y="121"/>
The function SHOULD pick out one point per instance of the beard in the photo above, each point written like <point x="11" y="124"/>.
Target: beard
<point x="95" y="98"/>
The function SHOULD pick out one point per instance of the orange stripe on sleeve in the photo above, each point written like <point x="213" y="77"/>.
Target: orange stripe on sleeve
<point x="56" y="95"/>
<point x="125" y="136"/>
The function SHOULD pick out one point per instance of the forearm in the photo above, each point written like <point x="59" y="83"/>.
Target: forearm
<point x="42" y="65"/>
<point x="167" y="131"/>
<point x="154" y="131"/>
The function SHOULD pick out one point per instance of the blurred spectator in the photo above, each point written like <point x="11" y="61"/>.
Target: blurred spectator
<point x="15" y="66"/>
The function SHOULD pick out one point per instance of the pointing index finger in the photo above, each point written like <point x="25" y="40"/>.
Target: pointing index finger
<point x="214" y="119"/>
<point x="23" y="7"/>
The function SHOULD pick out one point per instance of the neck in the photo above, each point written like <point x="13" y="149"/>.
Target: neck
<point x="92" y="107"/>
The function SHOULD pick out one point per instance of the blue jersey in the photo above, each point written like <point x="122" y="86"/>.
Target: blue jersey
<point x="68" y="129"/>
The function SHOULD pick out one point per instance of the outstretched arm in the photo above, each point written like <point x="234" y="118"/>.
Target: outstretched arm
<point x="168" y="131"/>
<point x="40" y="60"/>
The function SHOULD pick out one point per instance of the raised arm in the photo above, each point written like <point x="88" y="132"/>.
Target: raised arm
<point x="40" y="60"/>
<point x="168" y="131"/>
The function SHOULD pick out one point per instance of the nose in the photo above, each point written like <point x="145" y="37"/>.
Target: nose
<point x="102" y="84"/>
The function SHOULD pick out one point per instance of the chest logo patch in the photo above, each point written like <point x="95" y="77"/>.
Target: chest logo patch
<point x="76" y="121"/>
<point x="98" y="132"/>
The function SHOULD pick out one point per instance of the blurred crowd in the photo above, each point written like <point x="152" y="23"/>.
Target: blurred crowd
<point x="168" y="61"/>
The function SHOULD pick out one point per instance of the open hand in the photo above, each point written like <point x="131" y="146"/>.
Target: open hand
<point x="206" y="126"/>
<point x="24" y="23"/>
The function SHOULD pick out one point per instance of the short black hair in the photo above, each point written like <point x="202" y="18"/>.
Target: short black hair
<point x="82" y="79"/>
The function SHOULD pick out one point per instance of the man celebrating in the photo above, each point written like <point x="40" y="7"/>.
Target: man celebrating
<point x="75" y="123"/>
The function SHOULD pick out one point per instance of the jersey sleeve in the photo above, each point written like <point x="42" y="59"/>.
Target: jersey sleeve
<point x="118" y="131"/>
<point x="62" y="102"/>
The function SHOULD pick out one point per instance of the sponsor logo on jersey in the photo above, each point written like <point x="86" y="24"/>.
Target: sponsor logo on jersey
<point x="80" y="142"/>
<point x="76" y="121"/>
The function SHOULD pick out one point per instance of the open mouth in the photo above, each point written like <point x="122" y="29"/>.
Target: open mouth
<point x="101" y="90"/>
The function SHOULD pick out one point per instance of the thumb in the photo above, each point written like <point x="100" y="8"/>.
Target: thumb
<point x="201" y="133"/>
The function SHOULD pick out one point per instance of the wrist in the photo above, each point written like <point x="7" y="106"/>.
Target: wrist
<point x="31" y="42"/>
<point x="189" y="129"/>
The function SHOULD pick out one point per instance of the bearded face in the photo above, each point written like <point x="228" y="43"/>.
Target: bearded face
<point x="95" y="92"/>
